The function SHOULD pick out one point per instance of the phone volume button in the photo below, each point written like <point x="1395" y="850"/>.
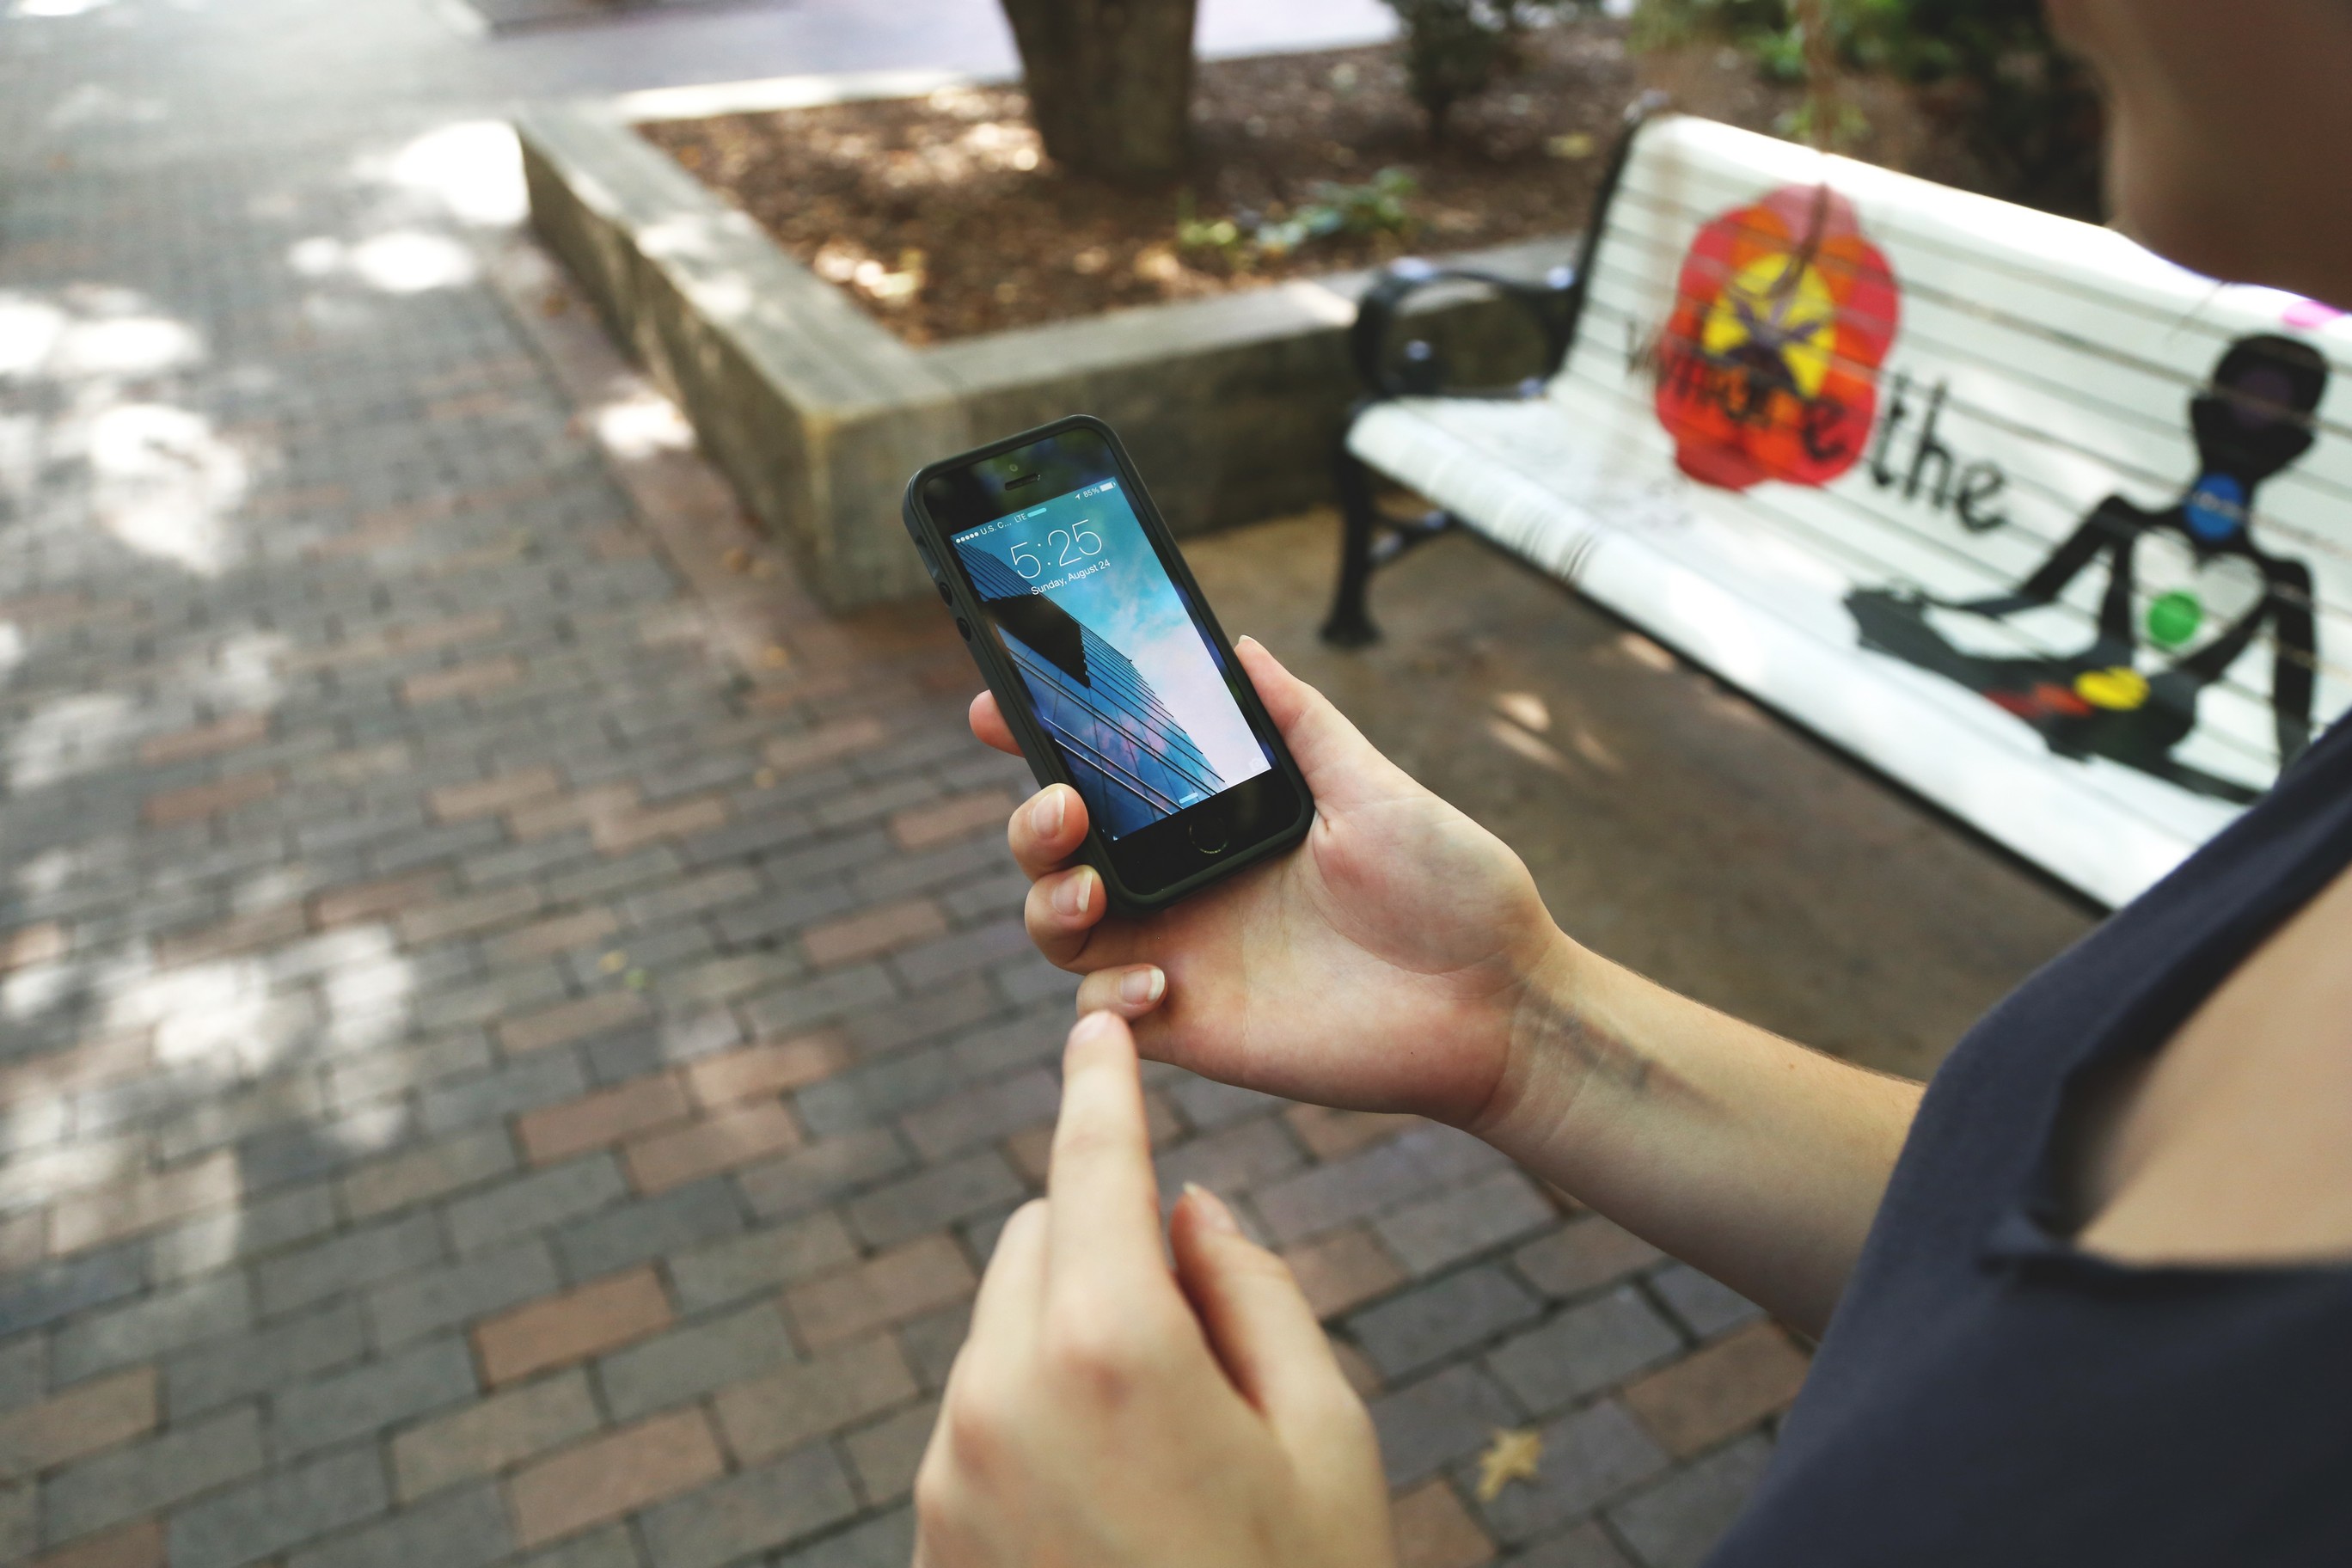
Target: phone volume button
<point x="945" y="597"/>
<point x="963" y="628"/>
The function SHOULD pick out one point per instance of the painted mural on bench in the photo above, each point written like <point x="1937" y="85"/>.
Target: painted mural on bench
<point x="2184" y="591"/>
<point x="2044" y="527"/>
<point x="1771" y="368"/>
<point x="1768" y="367"/>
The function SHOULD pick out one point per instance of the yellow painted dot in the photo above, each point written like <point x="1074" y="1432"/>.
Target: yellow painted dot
<point x="2118" y="690"/>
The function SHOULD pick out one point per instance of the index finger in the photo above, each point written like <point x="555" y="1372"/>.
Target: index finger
<point x="1103" y="1199"/>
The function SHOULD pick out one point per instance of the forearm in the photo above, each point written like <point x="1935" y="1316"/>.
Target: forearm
<point x="1742" y="1153"/>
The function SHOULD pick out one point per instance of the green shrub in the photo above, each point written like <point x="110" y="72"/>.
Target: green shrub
<point x="2025" y="107"/>
<point x="1374" y="206"/>
<point x="1453" y="49"/>
<point x="1764" y="26"/>
<point x="2029" y="109"/>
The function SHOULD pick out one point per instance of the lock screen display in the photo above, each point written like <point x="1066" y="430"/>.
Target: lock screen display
<point x="1118" y="671"/>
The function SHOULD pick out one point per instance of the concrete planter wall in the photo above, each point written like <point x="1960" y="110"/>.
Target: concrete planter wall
<point x="818" y="415"/>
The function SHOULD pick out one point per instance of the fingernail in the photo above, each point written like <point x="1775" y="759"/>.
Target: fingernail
<point x="1045" y="816"/>
<point x="1214" y="1212"/>
<point x="1076" y="894"/>
<point x="1138" y="986"/>
<point x="1093" y="1025"/>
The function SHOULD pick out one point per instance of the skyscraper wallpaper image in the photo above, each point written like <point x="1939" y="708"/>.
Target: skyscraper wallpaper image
<point x="1116" y="670"/>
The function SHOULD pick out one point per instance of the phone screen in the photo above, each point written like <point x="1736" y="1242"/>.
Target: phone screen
<point x="1118" y="669"/>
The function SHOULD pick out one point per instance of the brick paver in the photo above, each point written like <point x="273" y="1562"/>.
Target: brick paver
<point x="600" y="1119"/>
<point x="1344" y="1269"/>
<point x="614" y="1475"/>
<point x="1726" y="1388"/>
<point x="558" y="1330"/>
<point x="514" y="1029"/>
<point x="83" y="1420"/>
<point x="1434" y="1531"/>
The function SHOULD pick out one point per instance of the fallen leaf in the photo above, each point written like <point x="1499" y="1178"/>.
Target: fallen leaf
<point x="614" y="962"/>
<point x="765" y="778"/>
<point x="775" y="657"/>
<point x="762" y="569"/>
<point x="1512" y="1456"/>
<point x="738" y="561"/>
<point x="553" y="303"/>
<point x="637" y="980"/>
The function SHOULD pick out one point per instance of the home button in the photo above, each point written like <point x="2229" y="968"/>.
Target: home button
<point x="1210" y="830"/>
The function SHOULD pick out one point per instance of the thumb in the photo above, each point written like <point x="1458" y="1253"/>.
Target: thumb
<point x="1258" y="1322"/>
<point x="1342" y="769"/>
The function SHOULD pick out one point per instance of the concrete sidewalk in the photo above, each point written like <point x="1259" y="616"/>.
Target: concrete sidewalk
<point x="515" y="1033"/>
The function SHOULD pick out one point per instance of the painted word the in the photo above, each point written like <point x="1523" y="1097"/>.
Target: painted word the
<point x="1969" y="491"/>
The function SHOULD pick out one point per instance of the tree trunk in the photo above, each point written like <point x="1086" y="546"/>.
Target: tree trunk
<point x="1111" y="83"/>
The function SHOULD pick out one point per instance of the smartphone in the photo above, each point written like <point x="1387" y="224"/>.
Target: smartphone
<point x="1110" y="669"/>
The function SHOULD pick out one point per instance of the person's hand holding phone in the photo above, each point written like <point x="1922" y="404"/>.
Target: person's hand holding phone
<point x="1381" y="965"/>
<point x="1106" y="1413"/>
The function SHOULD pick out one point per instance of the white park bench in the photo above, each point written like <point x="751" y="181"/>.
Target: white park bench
<point x="2041" y="526"/>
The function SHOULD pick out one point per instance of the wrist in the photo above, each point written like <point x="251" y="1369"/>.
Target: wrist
<point x="1565" y="1062"/>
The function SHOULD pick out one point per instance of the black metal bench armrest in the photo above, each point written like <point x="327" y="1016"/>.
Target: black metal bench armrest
<point x="1554" y="304"/>
<point x="1549" y="305"/>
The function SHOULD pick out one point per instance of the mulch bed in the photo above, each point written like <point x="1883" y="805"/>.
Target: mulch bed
<point x="936" y="216"/>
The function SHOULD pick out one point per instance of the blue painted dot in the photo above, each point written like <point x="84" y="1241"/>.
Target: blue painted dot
<point x="2216" y="509"/>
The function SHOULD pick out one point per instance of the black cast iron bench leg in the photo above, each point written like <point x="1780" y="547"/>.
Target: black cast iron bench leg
<point x="1350" y="623"/>
<point x="1367" y="541"/>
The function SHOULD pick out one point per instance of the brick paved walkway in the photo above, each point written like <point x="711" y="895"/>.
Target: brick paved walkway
<point x="515" y="1033"/>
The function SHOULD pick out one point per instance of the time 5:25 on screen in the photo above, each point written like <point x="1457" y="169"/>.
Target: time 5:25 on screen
<point x="1064" y="547"/>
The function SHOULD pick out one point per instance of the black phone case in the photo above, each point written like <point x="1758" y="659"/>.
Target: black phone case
<point x="1012" y="696"/>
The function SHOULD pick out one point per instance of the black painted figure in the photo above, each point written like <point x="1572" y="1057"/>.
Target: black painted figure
<point x="2188" y="584"/>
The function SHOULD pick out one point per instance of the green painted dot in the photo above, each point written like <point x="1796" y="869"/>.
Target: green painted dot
<point x="2174" y="618"/>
